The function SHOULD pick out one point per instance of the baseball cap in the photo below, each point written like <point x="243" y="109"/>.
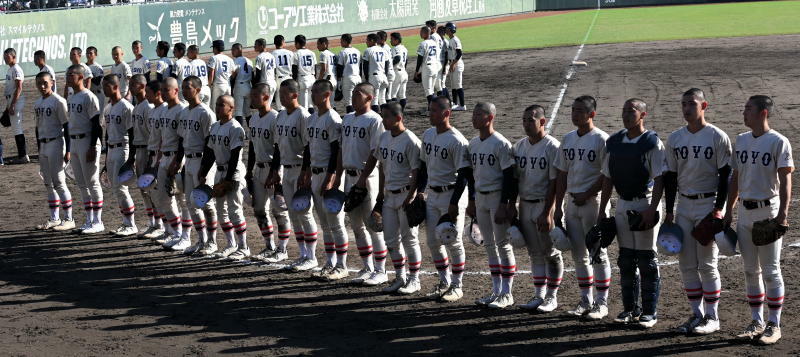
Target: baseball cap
<point x="220" y="44"/>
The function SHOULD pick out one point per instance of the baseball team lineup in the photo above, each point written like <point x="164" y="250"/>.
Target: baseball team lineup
<point x="200" y="140"/>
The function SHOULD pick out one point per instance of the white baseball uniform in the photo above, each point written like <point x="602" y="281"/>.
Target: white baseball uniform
<point x="48" y="69"/>
<point x="390" y="75"/>
<point x="124" y="73"/>
<point x="265" y="62"/>
<point x="194" y="127"/>
<point x="141" y="137"/>
<point x="223" y="67"/>
<point x="87" y="75"/>
<point x="329" y="59"/>
<point x="431" y="66"/>
<point x="440" y="82"/>
<point x="118" y="120"/>
<point x="182" y="68"/>
<point x="166" y="192"/>
<point x="83" y="106"/>
<point x="398" y="87"/>
<point x="140" y="66"/>
<point x="51" y="115"/>
<point x="13" y="74"/>
<point x="350" y="59"/>
<point x="223" y="139"/>
<point x="241" y="90"/>
<point x="305" y="61"/>
<point x="456" y="76"/>
<point x="757" y="161"/>
<point x="284" y="59"/>
<point x="97" y="89"/>
<point x="376" y="58"/>
<point x="200" y="69"/>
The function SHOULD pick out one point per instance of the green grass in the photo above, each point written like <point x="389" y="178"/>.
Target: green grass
<point x="632" y="25"/>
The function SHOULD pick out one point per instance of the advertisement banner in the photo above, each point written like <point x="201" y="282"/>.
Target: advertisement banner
<point x="549" y="5"/>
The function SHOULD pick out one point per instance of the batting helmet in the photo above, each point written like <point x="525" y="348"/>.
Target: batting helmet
<point x="450" y="26"/>
<point x="302" y="200"/>
<point x="514" y="234"/>
<point x="727" y="240"/>
<point x="560" y="239"/>
<point x="446" y="230"/>
<point x="334" y="200"/>
<point x="472" y="231"/>
<point x="670" y="239"/>
<point x="126" y="173"/>
<point x="147" y="179"/>
<point x="201" y="195"/>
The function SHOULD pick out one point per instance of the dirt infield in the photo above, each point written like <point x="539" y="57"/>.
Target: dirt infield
<point x="68" y="295"/>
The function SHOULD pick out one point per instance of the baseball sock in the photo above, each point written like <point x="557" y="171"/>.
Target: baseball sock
<point x="442" y="266"/>
<point x="380" y="260"/>
<point x="87" y="209"/>
<point x="585" y="283"/>
<point x="539" y="279"/>
<point x="602" y="280"/>
<point x="311" y="245"/>
<point x="200" y="228"/>
<point x="211" y="232"/>
<point x="158" y="219"/>
<point x="694" y="292"/>
<point x="97" y="208"/>
<point x="187" y="227"/>
<point x="283" y="238"/>
<point x="227" y="229"/>
<point x="299" y="236"/>
<point x="775" y="304"/>
<point x="175" y="225"/>
<point x="22" y="146"/>
<point x="53" y="202"/>
<point x="755" y="296"/>
<point x="399" y="263"/>
<point x="494" y="271"/>
<point x="266" y="233"/>
<point x="341" y="255"/>
<point x="66" y="207"/>
<point x="330" y="253"/>
<point x="711" y="297"/>
<point x="413" y="269"/>
<point x="241" y="235"/>
<point x="150" y="219"/>
<point x="366" y="257"/>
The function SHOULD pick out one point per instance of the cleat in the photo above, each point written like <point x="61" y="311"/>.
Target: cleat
<point x="155" y="233"/>
<point x="486" y="300"/>
<point x="533" y="304"/>
<point x="84" y="227"/>
<point x="160" y="240"/>
<point x="96" y="228"/>
<point x="626" y="317"/>
<point x="225" y="252"/>
<point x="338" y="273"/>
<point x="438" y="291"/>
<point x="276" y="256"/>
<point x="647" y="321"/>
<point x="125" y="231"/>
<point x="294" y="263"/>
<point x="171" y="241"/>
<point x="149" y="229"/>
<point x="181" y="245"/>
<point x="772" y="333"/>
<point x="453" y="294"/>
<point x="50" y="224"/>
<point x="689" y="325"/>
<point x="397" y="283"/>
<point x="261" y="256"/>
<point x="412" y="286"/>
<point x="707" y="326"/>
<point x="65" y="225"/>
<point x="549" y="305"/>
<point x="583" y="308"/>
<point x="322" y="273"/>
<point x="752" y="332"/>
<point x="598" y="312"/>
<point x="362" y="275"/>
<point x="503" y="301"/>
<point x="239" y="255"/>
<point x="193" y="249"/>
<point x="209" y="250"/>
<point x="377" y="278"/>
<point x="459" y="108"/>
<point x="305" y="265"/>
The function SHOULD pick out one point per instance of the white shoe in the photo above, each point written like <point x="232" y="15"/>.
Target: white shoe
<point x="533" y="304"/>
<point x="459" y="108"/>
<point x="707" y="326"/>
<point x="125" y="231"/>
<point x="598" y="311"/>
<point x="163" y="238"/>
<point x="96" y="228"/>
<point x="377" y="278"/>
<point x="294" y="263"/>
<point x="276" y="256"/>
<point x="452" y="294"/>
<point x="171" y="241"/>
<point x="306" y="265"/>
<point x="239" y="255"/>
<point x="65" y="225"/>
<point x="155" y="233"/>
<point x="583" y="308"/>
<point x="438" y="290"/>
<point x="209" y="250"/>
<point x="413" y="285"/>
<point x="141" y="234"/>
<point x="322" y="274"/>
<point x="50" y="224"/>
<point x="398" y="283"/>
<point x="85" y="226"/>
<point x="486" y="300"/>
<point x="549" y="305"/>
<point x="647" y="321"/>
<point x="181" y="245"/>
<point x="689" y="325"/>
<point x="752" y="331"/>
<point x="262" y="256"/>
<point x="193" y="249"/>
<point x="362" y="275"/>
<point x="338" y="273"/>
<point x="771" y="335"/>
<point x="503" y="301"/>
<point x="226" y="252"/>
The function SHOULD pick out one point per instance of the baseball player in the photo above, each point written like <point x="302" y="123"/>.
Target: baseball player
<point x="140" y="63"/>
<point x="456" y="66"/>
<point x="293" y="143"/>
<point x="194" y="131"/>
<point x="97" y="76"/>
<point x="361" y="131"/>
<point x="398" y="153"/>
<point x="324" y="140"/>
<point x="182" y="67"/>
<point x="226" y="140"/>
<point x="141" y="137"/>
<point x="536" y="174"/>
<point x="199" y="69"/>
<point x="85" y="133"/>
<point x="441" y="52"/>
<point x="53" y="135"/>
<point x="390" y="74"/>
<point x="762" y="178"/>
<point x="119" y="139"/>
<point x="445" y="168"/>
<point x="633" y="165"/>
<point x="327" y="62"/>
<point x="164" y="66"/>
<point x="303" y="66"/>
<point x="579" y="177"/>
<point x="75" y="58"/>
<point x="444" y="51"/>
<point x="263" y="171"/>
<point x="376" y="67"/>
<point x="241" y="79"/>
<point x="123" y="72"/>
<point x="698" y="166"/>
<point x="348" y="70"/>
<point x="220" y="70"/>
<point x="284" y="60"/>
<point x="493" y="168"/>
<point x="265" y="67"/>
<point x="40" y="60"/>
<point x="428" y="55"/>
<point x="15" y="103"/>
<point x="399" y="60"/>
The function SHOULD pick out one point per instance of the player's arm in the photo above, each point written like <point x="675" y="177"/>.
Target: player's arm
<point x="232" y="163"/>
<point x="386" y="67"/>
<point x="368" y="167"/>
<point x="723" y="176"/>
<point x="131" y="147"/>
<point x="295" y="72"/>
<point x="508" y="196"/>
<point x="334" y="173"/>
<point x="422" y="177"/>
<point x="15" y="96"/>
<point x="251" y="162"/>
<point x="206" y="163"/>
<point x="419" y="63"/>
<point x="365" y="68"/>
<point x="670" y="179"/>
<point x="785" y="194"/>
<point x="605" y="195"/>
<point x="211" y="73"/>
<point x="464" y="179"/>
<point x="340" y="67"/>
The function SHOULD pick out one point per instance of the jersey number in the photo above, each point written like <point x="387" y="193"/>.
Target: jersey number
<point x="283" y="61"/>
<point x="224" y="66"/>
<point x="379" y="57"/>
<point x="353" y="58"/>
<point x="432" y="52"/>
<point x="307" y="61"/>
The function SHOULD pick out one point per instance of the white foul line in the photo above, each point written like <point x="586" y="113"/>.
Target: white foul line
<point x="571" y="71"/>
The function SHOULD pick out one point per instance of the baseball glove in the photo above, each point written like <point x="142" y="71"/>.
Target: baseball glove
<point x="375" y="219"/>
<point x="354" y="198"/>
<point x="418" y="78"/>
<point x="608" y="231"/>
<point x="635" y="220"/>
<point x="705" y="231"/>
<point x="5" y="119"/>
<point x="338" y="95"/>
<point x="768" y="231"/>
<point x="415" y="212"/>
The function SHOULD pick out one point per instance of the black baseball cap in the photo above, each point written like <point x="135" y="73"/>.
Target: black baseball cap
<point x="219" y="44"/>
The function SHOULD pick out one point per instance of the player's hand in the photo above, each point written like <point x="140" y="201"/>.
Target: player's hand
<point x="362" y="181"/>
<point x="580" y="198"/>
<point x="716" y="213"/>
<point x="453" y="67"/>
<point x="327" y="182"/>
<point x="471" y="208"/>
<point x="305" y="179"/>
<point x="648" y="218"/>
<point x="544" y="223"/>
<point x="201" y="180"/>
<point x="67" y="156"/>
<point x="501" y="215"/>
<point x="222" y="188"/>
<point x="91" y="154"/>
<point x="173" y="168"/>
<point x="409" y="198"/>
<point x="669" y="218"/>
<point x="781" y="219"/>
<point x="11" y="110"/>
<point x="452" y="210"/>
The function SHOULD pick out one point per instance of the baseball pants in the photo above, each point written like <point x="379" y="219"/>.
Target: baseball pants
<point x="230" y="212"/>
<point x="114" y="160"/>
<point x="348" y="84"/>
<point x="87" y="175"/>
<point x="762" y="264"/>
<point x="202" y="217"/>
<point x="333" y="232"/>
<point x="441" y="78"/>
<point x="437" y="204"/>
<point x="457" y="76"/>
<point x="429" y="80"/>
<point x="205" y="96"/>
<point x="305" y="228"/>
<point x="164" y="196"/>
<point x="638" y="265"/>
<point x="278" y="80"/>
<point x="51" y="165"/>
<point x="401" y="240"/>
<point x="241" y="98"/>
<point x="502" y="264"/>
<point x="371" y="245"/>
<point x="381" y="84"/>
<point x="398" y="88"/>
<point x="697" y="262"/>
<point x="218" y="90"/>
<point x="16" y="119"/>
<point x="546" y="262"/>
<point x="579" y="220"/>
<point x="262" y="198"/>
<point x="142" y="155"/>
<point x="304" y="97"/>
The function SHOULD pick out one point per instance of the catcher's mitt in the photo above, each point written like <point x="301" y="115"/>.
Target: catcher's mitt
<point x="768" y="231"/>
<point x="354" y="198"/>
<point x="705" y="231"/>
<point x="418" y="78"/>
<point x="415" y="212"/>
<point x="635" y="220"/>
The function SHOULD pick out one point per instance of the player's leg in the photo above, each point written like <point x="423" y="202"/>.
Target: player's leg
<point x="234" y="199"/>
<point x="91" y="172"/>
<point x="505" y="254"/>
<point x="457" y="86"/>
<point x="436" y="206"/>
<point x="458" y="257"/>
<point x="289" y="184"/>
<point x="117" y="157"/>
<point x="391" y="233"/>
<point x="555" y="272"/>
<point x="379" y="251"/>
<point x="627" y="261"/>
<point x="324" y="224"/>
<point x="261" y="212"/>
<point x="601" y="268"/>
<point x="576" y="231"/>
<point x="165" y="200"/>
<point x="140" y="164"/>
<point x="410" y="244"/>
<point x="78" y="149"/>
<point x="280" y="212"/>
<point x="528" y="214"/>
<point x="769" y="257"/>
<point x="19" y="134"/>
<point x="56" y="170"/>
<point x="428" y="82"/>
<point x="401" y="89"/>
<point x="647" y="264"/>
<point x="47" y="172"/>
<point x="688" y="265"/>
<point x="384" y="87"/>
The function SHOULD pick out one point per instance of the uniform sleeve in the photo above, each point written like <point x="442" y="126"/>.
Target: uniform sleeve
<point x="18" y="74"/>
<point x="296" y="58"/>
<point x="237" y="138"/>
<point x="735" y="158"/>
<point x="61" y="112"/>
<point x="505" y="154"/>
<point x="552" y="154"/>
<point x="335" y="131"/>
<point x="127" y="117"/>
<point x="656" y="161"/>
<point x="724" y="151"/>
<point x="461" y="155"/>
<point x="604" y="169"/>
<point x="212" y="62"/>
<point x="93" y="106"/>
<point x="207" y="121"/>
<point x="672" y="160"/>
<point x="413" y="154"/>
<point x="457" y="43"/>
<point x="785" y="154"/>
<point x="377" y="153"/>
<point x="421" y="49"/>
<point x="375" y="136"/>
<point x="259" y="63"/>
<point x="303" y="126"/>
<point x="87" y="72"/>
<point x="558" y="161"/>
<point x="423" y="155"/>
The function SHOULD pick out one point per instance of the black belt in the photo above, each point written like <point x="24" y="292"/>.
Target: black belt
<point x="755" y="204"/>
<point x="196" y="155"/>
<point x="261" y="165"/>
<point x="79" y="136"/>
<point x="400" y="190"/>
<point x="535" y="201"/>
<point x="487" y="192"/>
<point x="352" y="172"/>
<point x="440" y="189"/>
<point x="291" y="166"/>
<point x="140" y="146"/>
<point x="114" y="146"/>
<point x="167" y="153"/>
<point x="700" y="195"/>
<point x="631" y="198"/>
<point x="47" y="140"/>
<point x="317" y="170"/>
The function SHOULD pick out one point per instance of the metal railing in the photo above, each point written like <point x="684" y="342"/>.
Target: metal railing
<point x="16" y="6"/>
